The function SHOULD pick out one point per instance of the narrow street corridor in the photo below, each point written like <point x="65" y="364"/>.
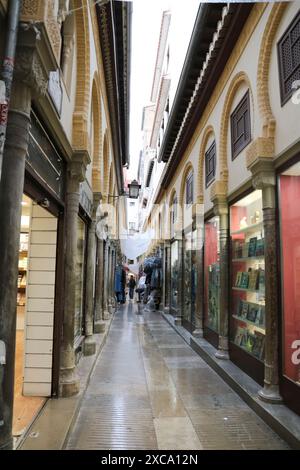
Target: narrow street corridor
<point x="150" y="390"/>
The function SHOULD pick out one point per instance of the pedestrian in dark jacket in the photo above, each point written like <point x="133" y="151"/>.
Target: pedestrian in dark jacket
<point x="131" y="285"/>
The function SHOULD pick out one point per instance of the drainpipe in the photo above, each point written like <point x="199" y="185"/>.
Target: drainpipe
<point x="7" y="69"/>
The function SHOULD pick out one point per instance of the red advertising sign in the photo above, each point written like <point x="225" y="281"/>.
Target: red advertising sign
<point x="3" y="113"/>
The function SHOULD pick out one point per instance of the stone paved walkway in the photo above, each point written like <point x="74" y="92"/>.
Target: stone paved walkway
<point x="150" y="390"/>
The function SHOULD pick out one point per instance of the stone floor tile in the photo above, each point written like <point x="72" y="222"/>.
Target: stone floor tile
<point x="150" y="390"/>
<point x="176" y="434"/>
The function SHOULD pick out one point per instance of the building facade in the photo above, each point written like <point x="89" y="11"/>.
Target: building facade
<point x="226" y="211"/>
<point x="154" y="121"/>
<point x="62" y="175"/>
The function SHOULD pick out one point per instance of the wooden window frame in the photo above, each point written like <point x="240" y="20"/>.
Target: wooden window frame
<point x="210" y="158"/>
<point x="246" y="133"/>
<point x="189" y="189"/>
<point x="286" y="95"/>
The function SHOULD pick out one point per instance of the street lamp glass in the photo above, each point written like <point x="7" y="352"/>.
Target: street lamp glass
<point x="134" y="188"/>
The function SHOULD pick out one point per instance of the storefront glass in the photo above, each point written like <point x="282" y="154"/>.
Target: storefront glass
<point x="187" y="277"/>
<point x="248" y="275"/>
<point x="174" y="273"/>
<point x="212" y="274"/>
<point x="79" y="297"/>
<point x="289" y="197"/>
<point x="194" y="277"/>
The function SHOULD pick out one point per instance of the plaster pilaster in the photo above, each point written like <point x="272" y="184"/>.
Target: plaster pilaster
<point x="30" y="79"/>
<point x="90" y="345"/>
<point x="221" y="210"/>
<point x="106" y="313"/>
<point x="199" y="253"/>
<point x="99" y="325"/>
<point x="264" y="179"/>
<point x="69" y="381"/>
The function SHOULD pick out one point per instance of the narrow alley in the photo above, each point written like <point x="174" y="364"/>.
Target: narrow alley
<point x="150" y="390"/>
<point x="149" y="226"/>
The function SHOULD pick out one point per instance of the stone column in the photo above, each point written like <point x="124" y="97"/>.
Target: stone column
<point x="199" y="314"/>
<point x="166" y="276"/>
<point x="30" y="79"/>
<point x="99" y="326"/>
<point x="106" y="313"/>
<point x="113" y="278"/>
<point x="109" y="299"/>
<point x="69" y="380"/>
<point x="111" y="283"/>
<point x="180" y="306"/>
<point x="89" y="344"/>
<point x="221" y="210"/>
<point x="264" y="178"/>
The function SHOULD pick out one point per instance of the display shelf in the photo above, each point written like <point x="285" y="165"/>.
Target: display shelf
<point x="248" y="248"/>
<point x="249" y="322"/>
<point x="255" y="291"/>
<point x="249" y="229"/>
<point x="251" y="258"/>
<point x="249" y="352"/>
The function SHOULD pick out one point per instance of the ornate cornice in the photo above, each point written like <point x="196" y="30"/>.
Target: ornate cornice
<point x="29" y="68"/>
<point x="218" y="190"/>
<point x="41" y="11"/>
<point x="261" y="147"/>
<point x="77" y="167"/>
<point x="169" y="174"/>
<point x="263" y="173"/>
<point x="114" y="26"/>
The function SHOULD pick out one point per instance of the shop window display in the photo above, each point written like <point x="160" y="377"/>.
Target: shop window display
<point x="248" y="275"/>
<point x="189" y="278"/>
<point x="289" y="210"/>
<point x="212" y="274"/>
<point x="174" y="273"/>
<point x="194" y="279"/>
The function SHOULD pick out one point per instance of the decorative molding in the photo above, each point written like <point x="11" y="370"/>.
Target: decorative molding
<point x="217" y="37"/>
<point x="100" y="65"/>
<point x="82" y="100"/>
<point x="77" y="169"/>
<point x="269" y="123"/>
<point x="264" y="179"/>
<point x="53" y="29"/>
<point x="97" y="156"/>
<point x="253" y="20"/>
<point x="100" y="176"/>
<point x="28" y="65"/>
<point x="106" y="166"/>
<point x="260" y="147"/>
<point x="43" y="11"/>
<point x="239" y="79"/>
<point x="263" y="173"/>
<point x="33" y="10"/>
<point x="218" y="190"/>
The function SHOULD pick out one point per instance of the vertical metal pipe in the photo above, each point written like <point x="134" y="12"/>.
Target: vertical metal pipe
<point x="7" y="69"/>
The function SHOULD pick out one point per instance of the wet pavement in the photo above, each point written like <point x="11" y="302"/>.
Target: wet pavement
<point x="150" y="390"/>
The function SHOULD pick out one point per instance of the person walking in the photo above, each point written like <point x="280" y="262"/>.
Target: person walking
<point x="120" y="281"/>
<point x="131" y="285"/>
<point x="141" y="288"/>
